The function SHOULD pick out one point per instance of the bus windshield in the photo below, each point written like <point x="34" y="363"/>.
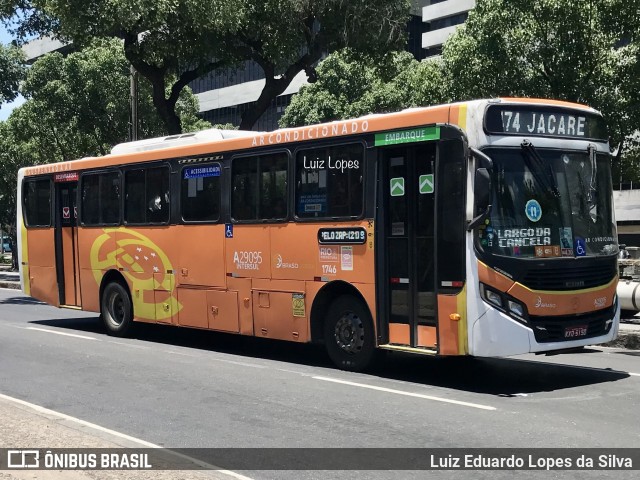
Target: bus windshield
<point x="549" y="203"/>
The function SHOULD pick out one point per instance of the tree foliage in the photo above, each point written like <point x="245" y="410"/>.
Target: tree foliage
<point x="286" y="37"/>
<point x="11" y="72"/>
<point x="584" y="51"/>
<point x="26" y="18"/>
<point x="350" y="85"/>
<point x="76" y="106"/>
<point x="172" y="43"/>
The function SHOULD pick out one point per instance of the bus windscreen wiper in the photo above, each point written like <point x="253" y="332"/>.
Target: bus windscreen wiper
<point x="591" y="201"/>
<point x="540" y="169"/>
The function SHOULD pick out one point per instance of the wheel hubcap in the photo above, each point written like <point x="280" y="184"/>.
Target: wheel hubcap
<point x="349" y="333"/>
<point x="116" y="308"/>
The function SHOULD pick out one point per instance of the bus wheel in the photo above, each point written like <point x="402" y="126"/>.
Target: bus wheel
<point x="116" y="309"/>
<point x="348" y="334"/>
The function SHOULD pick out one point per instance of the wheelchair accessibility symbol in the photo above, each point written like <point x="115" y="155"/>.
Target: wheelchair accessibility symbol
<point x="580" y="247"/>
<point x="228" y="230"/>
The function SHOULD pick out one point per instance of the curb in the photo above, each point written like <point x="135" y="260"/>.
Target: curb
<point x="12" y="285"/>
<point x="628" y="340"/>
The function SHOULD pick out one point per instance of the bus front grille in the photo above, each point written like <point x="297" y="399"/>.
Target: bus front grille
<point x="569" y="327"/>
<point x="574" y="275"/>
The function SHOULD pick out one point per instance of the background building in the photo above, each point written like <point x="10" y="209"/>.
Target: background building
<point x="441" y="18"/>
<point x="224" y="95"/>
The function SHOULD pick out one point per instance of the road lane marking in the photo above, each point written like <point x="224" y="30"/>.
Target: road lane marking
<point x="115" y="433"/>
<point x="61" y="333"/>
<point x="408" y="394"/>
<point x="141" y="347"/>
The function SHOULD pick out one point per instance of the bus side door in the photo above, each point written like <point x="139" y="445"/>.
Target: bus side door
<point x="66" y="242"/>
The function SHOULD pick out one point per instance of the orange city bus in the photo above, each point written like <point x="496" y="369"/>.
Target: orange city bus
<point x="481" y="228"/>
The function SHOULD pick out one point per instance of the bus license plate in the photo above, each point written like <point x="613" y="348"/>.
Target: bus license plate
<point x="573" y="332"/>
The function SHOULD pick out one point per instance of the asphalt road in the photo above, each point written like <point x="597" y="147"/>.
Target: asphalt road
<point x="188" y="388"/>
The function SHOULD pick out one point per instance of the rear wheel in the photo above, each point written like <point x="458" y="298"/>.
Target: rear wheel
<point x="116" y="309"/>
<point x="348" y="334"/>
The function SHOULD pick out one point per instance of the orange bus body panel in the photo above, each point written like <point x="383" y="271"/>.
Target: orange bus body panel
<point x="42" y="266"/>
<point x="447" y="328"/>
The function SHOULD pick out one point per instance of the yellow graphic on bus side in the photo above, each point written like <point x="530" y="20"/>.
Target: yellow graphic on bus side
<point x="144" y="265"/>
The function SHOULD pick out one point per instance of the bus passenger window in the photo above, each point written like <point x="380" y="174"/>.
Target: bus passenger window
<point x="200" y="193"/>
<point x="147" y="196"/>
<point x="260" y="187"/>
<point x="37" y="203"/>
<point x="100" y="199"/>
<point x="329" y="181"/>
<point x="157" y="195"/>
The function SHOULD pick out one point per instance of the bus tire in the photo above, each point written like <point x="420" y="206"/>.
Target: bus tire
<point x="348" y="334"/>
<point x="116" y="309"/>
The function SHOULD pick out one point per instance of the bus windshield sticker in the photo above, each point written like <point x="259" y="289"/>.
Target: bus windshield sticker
<point x="546" y="251"/>
<point x="566" y="241"/>
<point x="407" y="136"/>
<point x="342" y="236"/>
<point x="200" y="172"/>
<point x="346" y="258"/>
<point x="533" y="210"/>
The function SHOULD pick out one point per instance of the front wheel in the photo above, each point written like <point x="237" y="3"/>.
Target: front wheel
<point x="349" y="335"/>
<point x="116" y="309"/>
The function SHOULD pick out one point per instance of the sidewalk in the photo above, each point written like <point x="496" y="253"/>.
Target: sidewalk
<point x="8" y="278"/>
<point x="23" y="426"/>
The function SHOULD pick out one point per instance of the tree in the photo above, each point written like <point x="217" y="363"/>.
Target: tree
<point x="286" y="37"/>
<point x="172" y="43"/>
<point x="584" y="51"/>
<point x="350" y="85"/>
<point x="25" y="18"/>
<point x="78" y="105"/>
<point x="11" y="72"/>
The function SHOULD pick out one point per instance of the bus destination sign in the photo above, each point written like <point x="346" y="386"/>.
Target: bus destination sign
<point x="342" y="236"/>
<point x="544" y="121"/>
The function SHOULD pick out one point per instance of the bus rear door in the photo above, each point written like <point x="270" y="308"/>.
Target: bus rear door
<point x="66" y="239"/>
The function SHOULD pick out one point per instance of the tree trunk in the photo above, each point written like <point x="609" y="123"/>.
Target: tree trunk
<point x="166" y="109"/>
<point x="273" y="87"/>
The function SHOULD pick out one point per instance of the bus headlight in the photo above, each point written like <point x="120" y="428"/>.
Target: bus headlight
<point x="493" y="297"/>
<point x="517" y="309"/>
<point x="505" y="303"/>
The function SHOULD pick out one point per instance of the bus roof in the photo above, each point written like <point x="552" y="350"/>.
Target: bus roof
<point x="216" y="141"/>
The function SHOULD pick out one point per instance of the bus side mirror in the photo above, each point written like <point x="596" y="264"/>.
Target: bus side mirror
<point x="482" y="197"/>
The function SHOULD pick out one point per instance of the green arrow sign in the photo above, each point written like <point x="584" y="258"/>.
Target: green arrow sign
<point x="397" y="187"/>
<point x="425" y="185"/>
